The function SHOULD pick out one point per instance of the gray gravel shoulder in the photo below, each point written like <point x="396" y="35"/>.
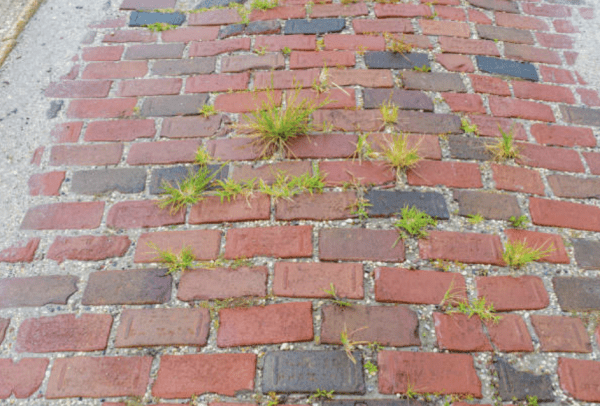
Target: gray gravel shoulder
<point x="43" y="54"/>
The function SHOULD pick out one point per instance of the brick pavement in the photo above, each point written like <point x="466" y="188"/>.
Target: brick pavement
<point x="109" y="326"/>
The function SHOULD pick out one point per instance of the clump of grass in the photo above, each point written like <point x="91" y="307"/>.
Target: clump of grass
<point x="286" y="51"/>
<point x="389" y="113"/>
<point x="520" y="222"/>
<point x="321" y="394"/>
<point x="467" y="127"/>
<point x="505" y="148"/>
<point x="518" y="253"/>
<point x="423" y="68"/>
<point x="159" y="27"/>
<point x="363" y="148"/>
<point x="475" y="218"/>
<point x="286" y="187"/>
<point x="338" y="301"/>
<point x="264" y="4"/>
<point x="371" y="368"/>
<point x="455" y="301"/>
<point x="174" y="262"/>
<point x="397" y="153"/>
<point x="207" y="110"/>
<point x="189" y="191"/>
<point x="349" y="344"/>
<point x="230" y="189"/>
<point x="274" y="126"/>
<point x="413" y="222"/>
<point x="273" y="399"/>
<point x="396" y="45"/>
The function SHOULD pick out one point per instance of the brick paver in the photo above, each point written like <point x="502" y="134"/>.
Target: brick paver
<point x="281" y="286"/>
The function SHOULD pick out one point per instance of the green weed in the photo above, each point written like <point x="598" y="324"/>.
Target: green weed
<point x="274" y="126"/>
<point x="159" y="27"/>
<point x="505" y="148"/>
<point x="207" y="110"/>
<point x="389" y="113"/>
<point x="363" y="148"/>
<point x="190" y="191"/>
<point x="286" y="187"/>
<point x="517" y="253"/>
<point x="174" y="262"/>
<point x="230" y="189"/>
<point x="349" y="344"/>
<point x="518" y="222"/>
<point x="286" y="51"/>
<point x="475" y="218"/>
<point x="479" y="308"/>
<point x="321" y="394"/>
<point x="371" y="368"/>
<point x="273" y="399"/>
<point x="413" y="222"/>
<point x="398" y="154"/>
<point x="423" y="68"/>
<point x="264" y="4"/>
<point x="467" y="127"/>
<point x="532" y="401"/>
<point x="396" y="45"/>
<point x="335" y="298"/>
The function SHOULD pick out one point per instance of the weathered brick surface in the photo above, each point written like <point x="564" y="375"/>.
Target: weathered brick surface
<point x="220" y="283"/>
<point x="360" y="244"/>
<point x="142" y="286"/>
<point x="21" y="378"/>
<point x="298" y="279"/>
<point x="441" y="82"/>
<point x="517" y="179"/>
<point x="404" y="99"/>
<point x="471" y="248"/>
<point x="272" y="324"/>
<point x="122" y="130"/>
<point x="184" y="66"/>
<point x="98" y="377"/>
<point x="586" y="253"/>
<point x="385" y="203"/>
<point x="21" y="251"/>
<point x="323" y="146"/>
<point x="307" y="371"/>
<point x="318" y="206"/>
<point x="451" y="174"/>
<point x="86" y="155"/>
<point x="578" y="378"/>
<point x="88" y="248"/>
<point x="111" y="108"/>
<point x="458" y="332"/>
<point x="43" y="290"/>
<point x="513" y="293"/>
<point x="455" y="63"/>
<point x="78" y="89"/>
<point x="165" y="106"/>
<point x="88" y="332"/>
<point x="564" y="214"/>
<point x="415" y="287"/>
<point x="148" y="327"/>
<point x="515" y="384"/>
<point x="122" y="180"/>
<point x="204" y="244"/>
<point x="366" y="172"/>
<point x="190" y="127"/>
<point x="396" y="326"/>
<point x="279" y="242"/>
<point x="444" y="373"/>
<point x="181" y="376"/>
<point x="164" y="152"/>
<point x="138" y="214"/>
<point x="149" y="87"/>
<point x="64" y="216"/>
<point x="212" y="210"/>
<point x="510" y="334"/>
<point x="563" y="136"/>
<point x="506" y="107"/>
<point x="577" y="294"/>
<point x="496" y="206"/>
<point x="561" y="334"/>
<point x="66" y="132"/>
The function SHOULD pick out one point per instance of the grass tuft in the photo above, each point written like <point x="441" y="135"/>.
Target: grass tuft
<point x="174" y="262"/>
<point x="413" y="222"/>
<point x="397" y="153"/>
<point x="159" y="27"/>
<point x="335" y="298"/>
<point x="389" y="113"/>
<point x="207" y="110"/>
<point x="505" y="148"/>
<point x="189" y="191"/>
<point x="274" y="126"/>
<point x="264" y="4"/>
<point x="286" y="187"/>
<point x="520" y="222"/>
<point x="517" y="253"/>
